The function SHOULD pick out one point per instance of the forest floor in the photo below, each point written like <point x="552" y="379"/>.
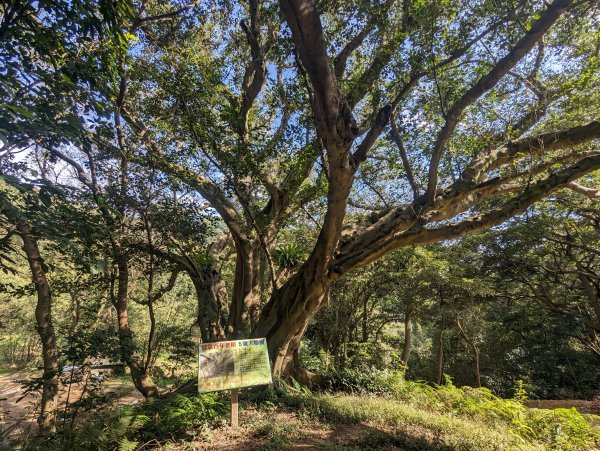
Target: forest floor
<point x="361" y="422"/>
<point x="282" y="428"/>
<point x="334" y="422"/>
<point x="18" y="407"/>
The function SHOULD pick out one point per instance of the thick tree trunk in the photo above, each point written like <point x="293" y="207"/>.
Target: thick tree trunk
<point x="245" y="305"/>
<point x="43" y="316"/>
<point x="212" y="301"/>
<point x="292" y="365"/>
<point x="407" y="335"/>
<point x="286" y="316"/>
<point x="140" y="377"/>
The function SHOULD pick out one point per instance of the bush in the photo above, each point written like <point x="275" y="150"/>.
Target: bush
<point x="175" y="418"/>
<point x="351" y="380"/>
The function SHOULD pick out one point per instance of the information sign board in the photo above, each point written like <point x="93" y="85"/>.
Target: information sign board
<point x="226" y="365"/>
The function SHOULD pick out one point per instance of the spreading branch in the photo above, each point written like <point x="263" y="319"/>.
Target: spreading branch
<point x="487" y="82"/>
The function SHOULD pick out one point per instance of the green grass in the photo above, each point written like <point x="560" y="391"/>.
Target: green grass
<point x="407" y="426"/>
<point x="413" y="415"/>
<point x="402" y="414"/>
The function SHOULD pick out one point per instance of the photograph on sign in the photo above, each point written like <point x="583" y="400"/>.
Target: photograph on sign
<point x="233" y="364"/>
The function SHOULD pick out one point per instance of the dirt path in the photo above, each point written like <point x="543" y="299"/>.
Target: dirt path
<point x="18" y="416"/>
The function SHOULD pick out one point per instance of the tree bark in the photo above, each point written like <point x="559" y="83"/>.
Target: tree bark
<point x="75" y="311"/>
<point x="439" y="364"/>
<point x="473" y="346"/>
<point x="286" y="315"/>
<point x="365" y="320"/>
<point x="43" y="316"/>
<point x="139" y="375"/>
<point x="245" y="305"/>
<point x="212" y="301"/>
<point x="407" y="335"/>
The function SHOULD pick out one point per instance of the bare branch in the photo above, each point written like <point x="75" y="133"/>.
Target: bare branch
<point x="139" y="21"/>
<point x="531" y="145"/>
<point x="586" y="191"/>
<point x="360" y="154"/>
<point x="255" y="74"/>
<point x="407" y="168"/>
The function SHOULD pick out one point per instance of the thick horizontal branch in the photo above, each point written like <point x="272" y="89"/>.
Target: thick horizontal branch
<point x="418" y="234"/>
<point x="530" y="146"/>
<point x="586" y="191"/>
<point x="488" y="81"/>
<point x="463" y="194"/>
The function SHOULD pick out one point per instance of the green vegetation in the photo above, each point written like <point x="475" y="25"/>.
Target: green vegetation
<point x="175" y="419"/>
<point x="401" y="196"/>
<point x="405" y="414"/>
<point x="490" y="425"/>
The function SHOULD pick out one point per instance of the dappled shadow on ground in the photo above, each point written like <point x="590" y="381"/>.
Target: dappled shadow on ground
<point x="282" y="429"/>
<point x="18" y="411"/>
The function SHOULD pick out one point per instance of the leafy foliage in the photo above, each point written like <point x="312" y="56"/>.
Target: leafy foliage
<point x="463" y="417"/>
<point x="175" y="417"/>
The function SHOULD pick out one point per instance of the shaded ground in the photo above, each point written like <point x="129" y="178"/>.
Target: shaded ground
<point x="281" y="429"/>
<point x="269" y="427"/>
<point x="18" y="409"/>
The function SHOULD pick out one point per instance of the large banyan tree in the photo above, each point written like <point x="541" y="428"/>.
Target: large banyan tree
<point x="357" y="127"/>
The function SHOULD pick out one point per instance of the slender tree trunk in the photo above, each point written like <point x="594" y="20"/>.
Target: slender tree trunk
<point x="476" y="368"/>
<point x="140" y="377"/>
<point x="151" y="333"/>
<point x="75" y="311"/>
<point x="43" y="316"/>
<point x="407" y="335"/>
<point x="365" y="320"/>
<point x="439" y="366"/>
<point x="463" y="333"/>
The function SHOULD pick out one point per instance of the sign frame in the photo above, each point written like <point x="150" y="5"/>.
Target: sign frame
<point x="228" y="364"/>
<point x="231" y="367"/>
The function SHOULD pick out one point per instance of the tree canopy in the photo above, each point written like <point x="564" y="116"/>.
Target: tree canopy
<point x="270" y="149"/>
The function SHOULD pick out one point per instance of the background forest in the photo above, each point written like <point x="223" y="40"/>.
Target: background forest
<point x="402" y="196"/>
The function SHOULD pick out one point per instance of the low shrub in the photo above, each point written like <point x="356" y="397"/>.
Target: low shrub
<point x="174" y="418"/>
<point x="464" y="411"/>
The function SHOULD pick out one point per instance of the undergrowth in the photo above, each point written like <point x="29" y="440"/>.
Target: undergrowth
<point x="457" y="417"/>
<point x="177" y="418"/>
<point x="395" y="413"/>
